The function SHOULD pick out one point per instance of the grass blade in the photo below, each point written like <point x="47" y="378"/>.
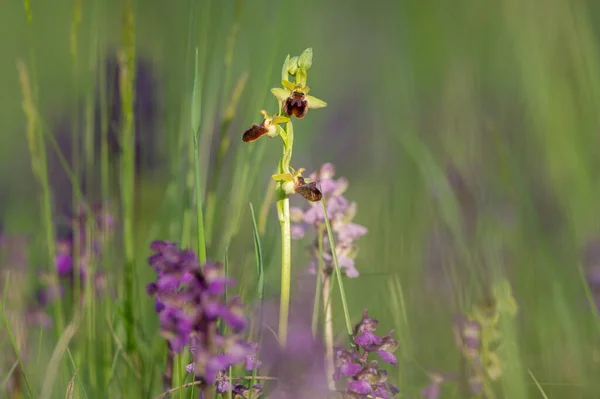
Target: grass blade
<point x="260" y="290"/>
<point x="195" y="125"/>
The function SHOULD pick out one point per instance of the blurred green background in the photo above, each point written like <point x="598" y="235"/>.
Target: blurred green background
<point x="468" y="130"/>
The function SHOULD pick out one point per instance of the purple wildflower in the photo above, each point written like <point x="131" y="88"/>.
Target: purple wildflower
<point x="188" y="299"/>
<point x="341" y="212"/>
<point x="78" y="247"/>
<point x="363" y="377"/>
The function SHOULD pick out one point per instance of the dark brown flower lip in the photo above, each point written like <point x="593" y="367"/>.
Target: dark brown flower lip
<point x="308" y="190"/>
<point x="254" y="133"/>
<point x="296" y="105"/>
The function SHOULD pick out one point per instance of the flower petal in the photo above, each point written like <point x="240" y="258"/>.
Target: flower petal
<point x="280" y="93"/>
<point x="190" y="368"/>
<point x="288" y="85"/>
<point x="283" y="176"/>
<point x="280" y="119"/>
<point x="361" y="387"/>
<point x="367" y="338"/>
<point x="350" y="369"/>
<point x="314" y="102"/>
<point x="388" y="357"/>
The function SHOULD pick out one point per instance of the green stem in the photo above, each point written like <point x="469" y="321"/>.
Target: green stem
<point x="199" y="216"/>
<point x="126" y="80"/>
<point x="196" y="114"/>
<point x="337" y="270"/>
<point x="319" y="286"/>
<point x="283" y="211"/>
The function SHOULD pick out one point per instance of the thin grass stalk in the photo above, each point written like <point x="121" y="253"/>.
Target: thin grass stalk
<point x="208" y="389"/>
<point x="260" y="291"/>
<point x="75" y="141"/>
<point x="337" y="270"/>
<point x="195" y="129"/>
<point x="37" y="150"/>
<point x="181" y="208"/>
<point x="319" y="286"/>
<point x="126" y="84"/>
<point x="225" y="140"/>
<point x="90" y="158"/>
<point x="242" y="181"/>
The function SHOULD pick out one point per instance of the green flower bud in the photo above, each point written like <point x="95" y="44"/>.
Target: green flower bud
<point x="284" y="69"/>
<point x="305" y="59"/>
<point x="292" y="66"/>
<point x="301" y="77"/>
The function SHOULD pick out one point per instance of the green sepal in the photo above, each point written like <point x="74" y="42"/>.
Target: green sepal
<point x="280" y="94"/>
<point x="314" y="102"/>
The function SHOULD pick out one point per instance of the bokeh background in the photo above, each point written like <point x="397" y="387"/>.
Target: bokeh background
<point x="469" y="132"/>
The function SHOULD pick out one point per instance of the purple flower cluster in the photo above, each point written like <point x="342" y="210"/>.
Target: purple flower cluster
<point x="341" y="212"/>
<point x="78" y="248"/>
<point x="188" y="299"/>
<point x="363" y="377"/>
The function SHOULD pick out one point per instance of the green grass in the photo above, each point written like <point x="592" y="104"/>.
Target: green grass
<point x="506" y="91"/>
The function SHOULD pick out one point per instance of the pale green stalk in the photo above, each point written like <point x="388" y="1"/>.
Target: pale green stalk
<point x="195" y="114"/>
<point x="195" y="129"/>
<point x="75" y="143"/>
<point x="319" y="286"/>
<point x="37" y="150"/>
<point x="260" y="291"/>
<point x="126" y="80"/>
<point x="283" y="211"/>
<point x="337" y="270"/>
<point x="225" y="140"/>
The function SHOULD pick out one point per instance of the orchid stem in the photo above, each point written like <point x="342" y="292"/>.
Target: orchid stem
<point x="283" y="211"/>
